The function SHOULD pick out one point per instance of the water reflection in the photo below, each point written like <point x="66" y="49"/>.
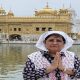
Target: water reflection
<point x="13" y="57"/>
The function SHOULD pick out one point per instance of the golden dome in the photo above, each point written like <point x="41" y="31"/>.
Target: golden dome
<point x="46" y="10"/>
<point x="2" y="11"/>
<point x="10" y="13"/>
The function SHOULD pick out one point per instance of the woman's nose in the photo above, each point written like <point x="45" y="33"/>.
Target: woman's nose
<point x="54" y="42"/>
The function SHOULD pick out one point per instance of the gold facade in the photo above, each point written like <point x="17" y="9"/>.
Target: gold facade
<point x="45" y="19"/>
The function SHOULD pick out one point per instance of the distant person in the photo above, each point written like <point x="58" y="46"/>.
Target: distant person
<point x="53" y="61"/>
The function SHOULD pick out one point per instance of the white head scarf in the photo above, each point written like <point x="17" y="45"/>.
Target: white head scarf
<point x="40" y="43"/>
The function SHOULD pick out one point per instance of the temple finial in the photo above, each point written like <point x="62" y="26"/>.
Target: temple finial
<point x="1" y="6"/>
<point x="63" y="5"/>
<point x="70" y="5"/>
<point x="47" y="5"/>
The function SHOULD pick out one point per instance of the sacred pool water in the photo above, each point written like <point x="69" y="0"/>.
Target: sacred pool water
<point x="13" y="58"/>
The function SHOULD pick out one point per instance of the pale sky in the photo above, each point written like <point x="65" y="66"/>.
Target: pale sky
<point x="27" y="7"/>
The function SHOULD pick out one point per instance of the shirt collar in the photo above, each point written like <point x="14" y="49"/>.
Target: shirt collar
<point x="46" y="53"/>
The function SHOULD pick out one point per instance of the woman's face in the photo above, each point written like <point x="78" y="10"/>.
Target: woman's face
<point x="54" y="44"/>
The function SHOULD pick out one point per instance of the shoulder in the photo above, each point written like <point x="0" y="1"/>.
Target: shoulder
<point x="35" y="55"/>
<point x="69" y="53"/>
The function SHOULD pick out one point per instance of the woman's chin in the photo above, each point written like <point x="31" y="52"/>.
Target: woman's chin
<point x="54" y="51"/>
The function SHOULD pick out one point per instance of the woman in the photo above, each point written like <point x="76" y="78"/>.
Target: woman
<point x="53" y="61"/>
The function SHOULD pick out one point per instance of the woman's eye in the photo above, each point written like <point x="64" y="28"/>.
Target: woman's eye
<point x="55" y="40"/>
<point x="51" y="40"/>
<point x="59" y="40"/>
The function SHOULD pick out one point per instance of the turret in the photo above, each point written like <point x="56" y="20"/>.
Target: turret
<point x="10" y="13"/>
<point x="2" y="11"/>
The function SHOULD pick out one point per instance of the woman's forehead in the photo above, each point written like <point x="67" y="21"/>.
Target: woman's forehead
<point x="54" y="35"/>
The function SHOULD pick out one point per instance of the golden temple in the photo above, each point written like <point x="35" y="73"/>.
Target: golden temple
<point x="46" y="19"/>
